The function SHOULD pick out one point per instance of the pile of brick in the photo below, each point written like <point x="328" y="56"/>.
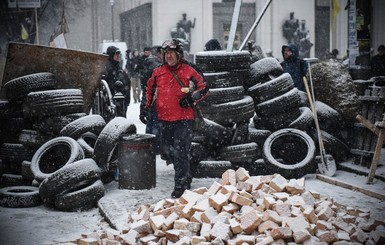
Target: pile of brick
<point x="246" y="209"/>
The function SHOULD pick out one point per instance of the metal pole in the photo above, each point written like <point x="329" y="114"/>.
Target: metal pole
<point x="112" y="19"/>
<point x="234" y="23"/>
<point x="37" y="27"/>
<point x="255" y="24"/>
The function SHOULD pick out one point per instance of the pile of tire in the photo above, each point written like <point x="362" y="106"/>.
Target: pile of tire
<point x="56" y="154"/>
<point x="223" y="142"/>
<point x="268" y="128"/>
<point x="285" y="111"/>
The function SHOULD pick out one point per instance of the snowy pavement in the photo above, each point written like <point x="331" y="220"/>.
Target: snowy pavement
<point x="40" y="225"/>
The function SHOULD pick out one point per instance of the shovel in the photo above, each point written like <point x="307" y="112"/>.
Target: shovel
<point x="326" y="163"/>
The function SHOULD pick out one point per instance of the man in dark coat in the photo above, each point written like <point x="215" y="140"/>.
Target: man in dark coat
<point x="152" y="124"/>
<point x="377" y="63"/>
<point x="293" y="65"/>
<point x="114" y="72"/>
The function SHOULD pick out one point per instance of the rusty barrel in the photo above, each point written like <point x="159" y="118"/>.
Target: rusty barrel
<point x="137" y="158"/>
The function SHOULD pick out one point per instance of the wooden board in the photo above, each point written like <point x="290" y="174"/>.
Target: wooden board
<point x="72" y="68"/>
<point x="333" y="181"/>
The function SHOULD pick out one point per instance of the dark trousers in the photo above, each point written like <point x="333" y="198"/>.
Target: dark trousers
<point x="175" y="141"/>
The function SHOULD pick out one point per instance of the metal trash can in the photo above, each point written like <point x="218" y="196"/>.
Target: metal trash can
<point x="137" y="159"/>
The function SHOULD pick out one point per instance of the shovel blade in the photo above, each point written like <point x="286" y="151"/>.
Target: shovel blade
<point x="328" y="166"/>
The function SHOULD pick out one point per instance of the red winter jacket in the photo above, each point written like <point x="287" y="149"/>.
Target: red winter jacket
<point x="169" y="91"/>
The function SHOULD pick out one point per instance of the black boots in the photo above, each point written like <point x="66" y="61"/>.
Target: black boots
<point x="177" y="192"/>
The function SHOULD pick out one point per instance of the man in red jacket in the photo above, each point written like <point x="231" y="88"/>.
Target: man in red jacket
<point x="173" y="102"/>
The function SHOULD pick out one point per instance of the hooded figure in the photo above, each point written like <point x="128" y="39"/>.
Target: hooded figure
<point x="113" y="67"/>
<point x="111" y="51"/>
<point x="293" y="65"/>
<point x="212" y="44"/>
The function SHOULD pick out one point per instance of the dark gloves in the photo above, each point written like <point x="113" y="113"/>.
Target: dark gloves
<point x="198" y="95"/>
<point x="143" y="116"/>
<point x="186" y="101"/>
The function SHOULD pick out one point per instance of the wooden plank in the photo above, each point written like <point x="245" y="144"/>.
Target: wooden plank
<point x="372" y="139"/>
<point x="370" y="98"/>
<point x="361" y="152"/>
<point x="365" y="111"/>
<point x="377" y="155"/>
<point x="368" y="124"/>
<point x="340" y="183"/>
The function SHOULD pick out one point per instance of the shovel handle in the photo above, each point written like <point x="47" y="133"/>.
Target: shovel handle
<point x="320" y="141"/>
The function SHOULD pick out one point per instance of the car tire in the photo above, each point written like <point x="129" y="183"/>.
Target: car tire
<point x="82" y="197"/>
<point x="67" y="178"/>
<point x="90" y="123"/>
<point x="263" y="69"/>
<point x="20" y="197"/>
<point x="19" y="87"/>
<point x="293" y="163"/>
<point x="52" y="103"/>
<point x="109" y="138"/>
<point x="227" y="114"/>
<point x="262" y="92"/>
<point x="53" y="155"/>
<point x="221" y="60"/>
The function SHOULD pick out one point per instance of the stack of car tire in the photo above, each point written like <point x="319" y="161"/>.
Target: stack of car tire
<point x="224" y="139"/>
<point x="51" y="151"/>
<point x="268" y="128"/>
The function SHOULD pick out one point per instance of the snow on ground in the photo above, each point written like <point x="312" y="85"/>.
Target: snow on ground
<point x="40" y="225"/>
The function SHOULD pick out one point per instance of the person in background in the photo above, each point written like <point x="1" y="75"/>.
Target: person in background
<point x="377" y="63"/>
<point x="143" y="57"/>
<point x="293" y="65"/>
<point x="113" y="72"/>
<point x="173" y="104"/>
<point x="212" y="44"/>
<point x="152" y="125"/>
<point x="136" y="68"/>
<point x="334" y="54"/>
<point x="150" y="63"/>
<point x="128" y="61"/>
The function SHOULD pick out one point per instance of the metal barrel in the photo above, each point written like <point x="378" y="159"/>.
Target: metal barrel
<point x="137" y="162"/>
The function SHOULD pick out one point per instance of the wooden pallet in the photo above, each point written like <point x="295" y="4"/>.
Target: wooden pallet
<point x="379" y="130"/>
<point x="373" y="105"/>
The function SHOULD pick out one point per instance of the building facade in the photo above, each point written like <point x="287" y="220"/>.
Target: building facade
<point x="142" y="23"/>
<point x="150" y="22"/>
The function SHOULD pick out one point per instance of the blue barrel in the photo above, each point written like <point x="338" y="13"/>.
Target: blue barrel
<point x="137" y="162"/>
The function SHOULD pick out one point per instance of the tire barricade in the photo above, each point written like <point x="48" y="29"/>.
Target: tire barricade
<point x="47" y="146"/>
<point x="270" y="103"/>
